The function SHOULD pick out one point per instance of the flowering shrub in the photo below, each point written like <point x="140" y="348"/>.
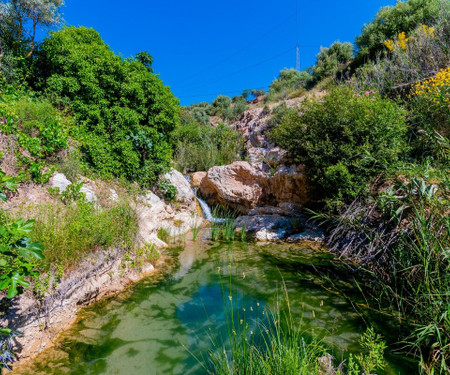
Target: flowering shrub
<point x="431" y="100"/>
<point x="403" y="41"/>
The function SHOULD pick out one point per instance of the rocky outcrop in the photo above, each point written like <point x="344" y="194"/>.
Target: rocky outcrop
<point x="197" y="178"/>
<point x="279" y="223"/>
<point x="243" y="187"/>
<point x="100" y="275"/>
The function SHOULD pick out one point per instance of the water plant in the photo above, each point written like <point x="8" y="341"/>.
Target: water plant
<point x="271" y="341"/>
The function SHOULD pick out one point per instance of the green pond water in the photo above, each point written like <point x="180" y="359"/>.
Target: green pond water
<point x="161" y="324"/>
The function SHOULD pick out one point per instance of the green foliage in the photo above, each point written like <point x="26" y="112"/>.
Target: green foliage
<point x="145" y="59"/>
<point x="288" y="81"/>
<point x="18" y="254"/>
<point x="163" y="235"/>
<point x="19" y="23"/>
<point x="410" y="58"/>
<point x="167" y="189"/>
<point x="344" y="140"/>
<point x="40" y="130"/>
<point x="272" y="342"/>
<point x="71" y="166"/>
<point x="220" y="105"/>
<point x="200" y="147"/>
<point x="7" y="183"/>
<point x="332" y="59"/>
<point x="390" y="21"/>
<point x="72" y="231"/>
<point x="125" y="112"/>
<point x="419" y="264"/>
<point x="371" y="361"/>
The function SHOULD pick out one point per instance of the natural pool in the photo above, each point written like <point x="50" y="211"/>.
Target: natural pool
<point x="161" y="325"/>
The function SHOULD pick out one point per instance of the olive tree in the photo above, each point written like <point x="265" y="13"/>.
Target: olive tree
<point x="19" y="23"/>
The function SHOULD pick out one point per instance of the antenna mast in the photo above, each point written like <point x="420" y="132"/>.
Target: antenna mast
<point x="297" y="65"/>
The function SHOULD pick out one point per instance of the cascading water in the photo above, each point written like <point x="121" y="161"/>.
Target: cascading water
<point x="207" y="210"/>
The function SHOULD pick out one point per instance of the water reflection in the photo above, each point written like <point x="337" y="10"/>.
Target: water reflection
<point x="161" y="327"/>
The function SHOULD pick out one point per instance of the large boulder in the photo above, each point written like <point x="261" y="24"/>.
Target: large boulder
<point x="288" y="184"/>
<point x="242" y="186"/>
<point x="184" y="191"/>
<point x="238" y="186"/>
<point x="197" y="178"/>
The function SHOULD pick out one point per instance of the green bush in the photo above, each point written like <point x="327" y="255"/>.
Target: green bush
<point x="199" y="147"/>
<point x="288" y="81"/>
<point x="405" y="16"/>
<point x="18" y="254"/>
<point x="344" y="140"/>
<point x="125" y="112"/>
<point x="331" y="60"/>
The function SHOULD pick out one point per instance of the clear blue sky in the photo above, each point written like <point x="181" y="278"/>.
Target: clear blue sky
<point x="256" y="38"/>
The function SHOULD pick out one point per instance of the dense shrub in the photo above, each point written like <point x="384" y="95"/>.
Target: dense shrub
<point x="405" y="16"/>
<point x="288" y="81"/>
<point x="124" y="111"/>
<point x="199" y="147"/>
<point x="344" y="140"/>
<point x="332" y="59"/>
<point x="224" y="107"/>
<point x="220" y="105"/>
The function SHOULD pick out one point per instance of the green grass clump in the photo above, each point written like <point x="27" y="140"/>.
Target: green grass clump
<point x="275" y="343"/>
<point x="71" y="232"/>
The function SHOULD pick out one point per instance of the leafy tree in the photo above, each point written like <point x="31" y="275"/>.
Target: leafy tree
<point x="330" y="60"/>
<point x="125" y="111"/>
<point x="289" y="80"/>
<point x="145" y="59"/>
<point x="390" y="21"/>
<point x="19" y="23"/>
<point x="220" y="105"/>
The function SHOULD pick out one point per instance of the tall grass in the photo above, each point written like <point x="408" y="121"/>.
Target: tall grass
<point x="70" y="232"/>
<point x="403" y="239"/>
<point x="272" y="341"/>
<point x="224" y="228"/>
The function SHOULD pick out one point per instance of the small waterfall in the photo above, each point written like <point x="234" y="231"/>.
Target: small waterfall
<point x="207" y="214"/>
<point x="207" y="210"/>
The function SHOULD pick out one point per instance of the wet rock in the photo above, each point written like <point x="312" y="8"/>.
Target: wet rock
<point x="290" y="209"/>
<point x="274" y="227"/>
<point x="264" y="227"/>
<point x="307" y="235"/>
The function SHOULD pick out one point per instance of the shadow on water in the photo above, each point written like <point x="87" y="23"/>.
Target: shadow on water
<point x="159" y="325"/>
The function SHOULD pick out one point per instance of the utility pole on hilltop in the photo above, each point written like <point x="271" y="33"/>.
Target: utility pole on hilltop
<point x="297" y="64"/>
